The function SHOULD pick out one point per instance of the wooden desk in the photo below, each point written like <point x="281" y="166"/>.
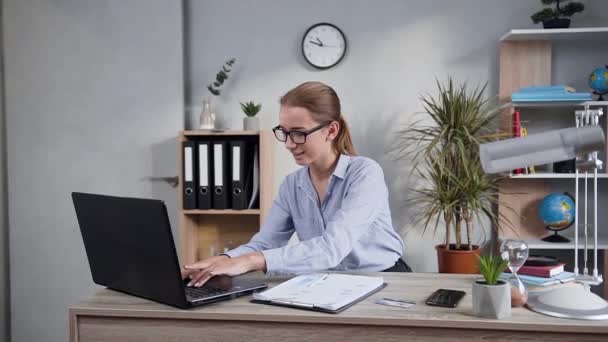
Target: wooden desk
<point x="116" y="317"/>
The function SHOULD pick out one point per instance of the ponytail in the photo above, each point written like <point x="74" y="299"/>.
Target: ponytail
<point x="343" y="143"/>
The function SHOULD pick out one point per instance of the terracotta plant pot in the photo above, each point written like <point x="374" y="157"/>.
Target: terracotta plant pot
<point x="457" y="261"/>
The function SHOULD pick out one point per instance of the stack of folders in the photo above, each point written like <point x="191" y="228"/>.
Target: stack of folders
<point x="221" y="174"/>
<point x="553" y="93"/>
<point x="324" y="292"/>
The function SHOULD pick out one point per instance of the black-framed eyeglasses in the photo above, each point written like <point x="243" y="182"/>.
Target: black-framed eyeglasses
<point x="298" y="137"/>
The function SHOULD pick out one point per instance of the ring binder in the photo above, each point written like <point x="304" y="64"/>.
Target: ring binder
<point x="189" y="183"/>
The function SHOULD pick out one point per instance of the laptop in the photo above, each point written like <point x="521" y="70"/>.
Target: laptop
<point x="130" y="248"/>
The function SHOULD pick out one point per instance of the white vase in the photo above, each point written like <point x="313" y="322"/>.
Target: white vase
<point x="491" y="301"/>
<point x="251" y="123"/>
<point x="207" y="118"/>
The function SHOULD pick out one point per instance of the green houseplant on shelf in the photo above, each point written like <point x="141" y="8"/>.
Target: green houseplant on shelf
<point x="251" y="122"/>
<point x="491" y="296"/>
<point x="444" y="154"/>
<point x="558" y="17"/>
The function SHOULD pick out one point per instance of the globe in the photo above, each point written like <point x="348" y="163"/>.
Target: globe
<point x="598" y="81"/>
<point x="557" y="212"/>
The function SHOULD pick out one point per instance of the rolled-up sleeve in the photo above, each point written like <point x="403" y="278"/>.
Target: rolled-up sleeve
<point x="276" y="229"/>
<point x="347" y="226"/>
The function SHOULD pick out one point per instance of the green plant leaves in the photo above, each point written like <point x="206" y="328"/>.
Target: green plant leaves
<point x="490" y="267"/>
<point x="445" y="155"/>
<point x="251" y="109"/>
<point x="220" y="77"/>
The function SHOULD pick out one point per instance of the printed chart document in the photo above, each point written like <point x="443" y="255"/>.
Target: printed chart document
<point x="325" y="292"/>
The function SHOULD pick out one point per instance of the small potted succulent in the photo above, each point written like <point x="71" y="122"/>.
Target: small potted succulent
<point x="558" y="17"/>
<point x="491" y="296"/>
<point x="251" y="122"/>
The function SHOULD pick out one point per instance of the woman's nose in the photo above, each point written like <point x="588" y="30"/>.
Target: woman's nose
<point x="289" y="143"/>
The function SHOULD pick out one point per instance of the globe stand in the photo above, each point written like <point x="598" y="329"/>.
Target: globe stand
<point x="600" y="95"/>
<point x="556" y="238"/>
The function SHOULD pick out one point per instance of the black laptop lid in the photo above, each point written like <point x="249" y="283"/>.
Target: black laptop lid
<point x="130" y="247"/>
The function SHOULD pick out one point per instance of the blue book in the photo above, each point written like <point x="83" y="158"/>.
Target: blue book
<point x="548" y="97"/>
<point x="560" y="278"/>
<point x="548" y="89"/>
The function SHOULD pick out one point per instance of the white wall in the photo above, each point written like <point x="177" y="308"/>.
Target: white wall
<point x="94" y="101"/>
<point x="395" y="50"/>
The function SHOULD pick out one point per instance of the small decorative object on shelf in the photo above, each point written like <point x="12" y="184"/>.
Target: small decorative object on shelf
<point x="515" y="252"/>
<point x="558" y="17"/>
<point x="598" y="81"/>
<point x="251" y="122"/>
<point x="491" y="296"/>
<point x="557" y="213"/>
<point x="208" y="117"/>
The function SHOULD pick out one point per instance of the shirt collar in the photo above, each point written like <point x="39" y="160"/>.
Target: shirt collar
<point x="339" y="171"/>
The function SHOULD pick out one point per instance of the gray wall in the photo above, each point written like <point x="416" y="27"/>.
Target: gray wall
<point x="94" y="101"/>
<point x="396" y="49"/>
<point x="4" y="254"/>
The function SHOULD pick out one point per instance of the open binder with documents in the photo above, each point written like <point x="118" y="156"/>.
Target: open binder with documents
<point x="324" y="292"/>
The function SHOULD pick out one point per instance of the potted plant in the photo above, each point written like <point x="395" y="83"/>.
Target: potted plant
<point x="491" y="296"/>
<point x="251" y="122"/>
<point x="445" y="155"/>
<point x="207" y="117"/>
<point x="558" y="17"/>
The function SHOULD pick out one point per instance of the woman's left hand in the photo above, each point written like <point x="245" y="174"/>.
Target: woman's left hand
<point x="203" y="270"/>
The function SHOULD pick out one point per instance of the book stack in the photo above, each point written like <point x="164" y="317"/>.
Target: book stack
<point x="553" y="93"/>
<point x="542" y="275"/>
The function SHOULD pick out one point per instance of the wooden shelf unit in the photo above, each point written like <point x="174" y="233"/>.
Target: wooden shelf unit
<point x="205" y="231"/>
<point x="526" y="60"/>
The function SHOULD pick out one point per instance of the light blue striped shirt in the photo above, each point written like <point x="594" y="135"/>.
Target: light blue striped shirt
<point x="350" y="231"/>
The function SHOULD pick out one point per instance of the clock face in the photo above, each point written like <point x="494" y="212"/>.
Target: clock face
<point x="323" y="45"/>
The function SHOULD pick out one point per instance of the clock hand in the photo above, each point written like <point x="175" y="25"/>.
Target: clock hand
<point x="320" y="42"/>
<point x="310" y="41"/>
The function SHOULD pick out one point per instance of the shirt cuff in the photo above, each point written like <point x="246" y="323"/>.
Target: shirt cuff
<point x="274" y="261"/>
<point x="238" y="251"/>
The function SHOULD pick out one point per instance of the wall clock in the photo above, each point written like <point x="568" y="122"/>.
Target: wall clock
<point x="323" y="45"/>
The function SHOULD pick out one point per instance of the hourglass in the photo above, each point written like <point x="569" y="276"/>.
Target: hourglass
<point x="515" y="252"/>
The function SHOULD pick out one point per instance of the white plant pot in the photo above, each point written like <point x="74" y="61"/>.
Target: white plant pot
<point x="491" y="301"/>
<point x="251" y="124"/>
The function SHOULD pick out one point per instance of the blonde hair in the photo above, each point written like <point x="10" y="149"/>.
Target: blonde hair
<point x="323" y="103"/>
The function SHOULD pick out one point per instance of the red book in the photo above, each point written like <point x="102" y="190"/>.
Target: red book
<point x="542" y="271"/>
<point x="517" y="134"/>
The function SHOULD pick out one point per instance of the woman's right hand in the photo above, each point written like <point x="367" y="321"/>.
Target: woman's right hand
<point x="189" y="272"/>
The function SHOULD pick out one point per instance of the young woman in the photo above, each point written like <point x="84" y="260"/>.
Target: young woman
<point x="337" y="202"/>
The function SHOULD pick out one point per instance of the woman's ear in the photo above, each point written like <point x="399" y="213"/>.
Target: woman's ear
<point x="333" y="129"/>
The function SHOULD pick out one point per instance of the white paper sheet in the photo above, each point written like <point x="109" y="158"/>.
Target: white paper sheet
<point x="323" y="290"/>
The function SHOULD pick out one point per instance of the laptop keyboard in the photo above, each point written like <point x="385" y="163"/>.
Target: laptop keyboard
<point x="205" y="291"/>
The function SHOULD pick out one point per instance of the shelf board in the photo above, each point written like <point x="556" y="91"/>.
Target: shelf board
<point x="592" y="104"/>
<point x="222" y="212"/>
<point x="602" y="243"/>
<point x="195" y="133"/>
<point x="543" y="175"/>
<point x="569" y="34"/>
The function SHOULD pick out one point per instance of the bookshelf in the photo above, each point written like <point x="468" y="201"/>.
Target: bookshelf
<point x="555" y="35"/>
<point x="207" y="232"/>
<point x="525" y="59"/>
